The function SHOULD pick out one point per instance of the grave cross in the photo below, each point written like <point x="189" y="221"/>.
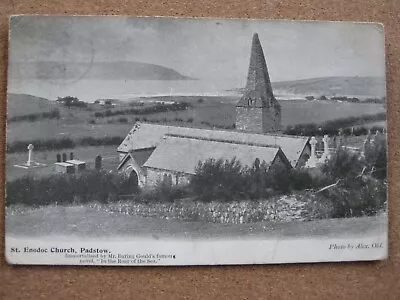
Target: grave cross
<point x="30" y="150"/>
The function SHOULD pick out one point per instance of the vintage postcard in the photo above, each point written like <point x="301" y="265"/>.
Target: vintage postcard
<point x="141" y="141"/>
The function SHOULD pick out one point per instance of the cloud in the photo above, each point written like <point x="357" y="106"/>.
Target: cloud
<point x="203" y="48"/>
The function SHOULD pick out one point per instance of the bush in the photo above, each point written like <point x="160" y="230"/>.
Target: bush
<point x="343" y="164"/>
<point x="65" y="189"/>
<point x="229" y="181"/>
<point x="163" y="192"/>
<point x="356" y="198"/>
<point x="218" y="180"/>
<point x="376" y="157"/>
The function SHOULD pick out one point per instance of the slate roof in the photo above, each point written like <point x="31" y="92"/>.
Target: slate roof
<point x="182" y="154"/>
<point x="144" y="135"/>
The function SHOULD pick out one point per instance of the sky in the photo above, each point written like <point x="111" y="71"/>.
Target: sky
<point x="204" y="48"/>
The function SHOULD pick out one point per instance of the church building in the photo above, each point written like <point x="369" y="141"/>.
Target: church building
<point x="151" y="152"/>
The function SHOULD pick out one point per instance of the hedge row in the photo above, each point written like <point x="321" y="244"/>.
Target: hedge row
<point x="143" y="110"/>
<point x="333" y="127"/>
<point x="64" y="143"/>
<point x="53" y="114"/>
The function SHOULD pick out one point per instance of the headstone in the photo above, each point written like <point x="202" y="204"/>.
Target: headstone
<point x="326" y="154"/>
<point x="64" y="157"/>
<point x="30" y="150"/>
<point x="312" y="161"/>
<point x="71" y="156"/>
<point x="58" y="157"/>
<point x="97" y="163"/>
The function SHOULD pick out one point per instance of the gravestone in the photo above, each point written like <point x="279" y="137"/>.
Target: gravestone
<point x="312" y="161"/>
<point x="58" y="157"/>
<point x="97" y="163"/>
<point x="30" y="151"/>
<point x="71" y="156"/>
<point x="64" y="157"/>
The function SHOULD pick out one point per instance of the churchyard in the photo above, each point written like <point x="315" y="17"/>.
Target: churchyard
<point x="277" y="213"/>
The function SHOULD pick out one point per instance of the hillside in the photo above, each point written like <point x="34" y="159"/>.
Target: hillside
<point x="70" y="71"/>
<point x="333" y="86"/>
<point x="21" y="104"/>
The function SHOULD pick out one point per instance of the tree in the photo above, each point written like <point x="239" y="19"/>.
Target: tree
<point x="70" y="101"/>
<point x="108" y="102"/>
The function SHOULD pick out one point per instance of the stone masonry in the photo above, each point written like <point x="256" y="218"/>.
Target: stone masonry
<point x="258" y="111"/>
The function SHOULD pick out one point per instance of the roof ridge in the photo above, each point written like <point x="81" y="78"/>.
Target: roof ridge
<point x="227" y="130"/>
<point x="221" y="140"/>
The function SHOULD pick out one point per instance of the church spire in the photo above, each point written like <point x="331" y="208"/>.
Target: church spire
<point x="258" y="91"/>
<point x="258" y="110"/>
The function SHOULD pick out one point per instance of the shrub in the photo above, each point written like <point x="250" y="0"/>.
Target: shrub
<point x="66" y="189"/>
<point x="218" y="180"/>
<point x="164" y="191"/>
<point x="123" y="120"/>
<point x="343" y="164"/>
<point x="376" y="157"/>
<point x="356" y="198"/>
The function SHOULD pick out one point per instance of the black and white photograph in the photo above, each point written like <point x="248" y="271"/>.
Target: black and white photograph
<point x="143" y="141"/>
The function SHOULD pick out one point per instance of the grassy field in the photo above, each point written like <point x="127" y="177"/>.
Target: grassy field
<point x="210" y="111"/>
<point x="98" y="222"/>
<point x="88" y="154"/>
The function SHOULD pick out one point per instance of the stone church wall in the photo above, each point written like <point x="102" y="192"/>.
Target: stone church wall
<point x="249" y="119"/>
<point x="272" y="119"/>
<point x="258" y="120"/>
<point x="154" y="176"/>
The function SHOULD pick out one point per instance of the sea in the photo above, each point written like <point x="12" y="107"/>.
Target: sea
<point x="89" y="90"/>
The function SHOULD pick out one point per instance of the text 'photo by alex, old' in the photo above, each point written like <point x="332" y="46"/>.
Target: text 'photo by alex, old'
<point x="172" y="141"/>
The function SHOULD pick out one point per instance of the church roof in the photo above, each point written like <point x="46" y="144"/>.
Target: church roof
<point x="182" y="154"/>
<point x="144" y="136"/>
<point x="258" y="90"/>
